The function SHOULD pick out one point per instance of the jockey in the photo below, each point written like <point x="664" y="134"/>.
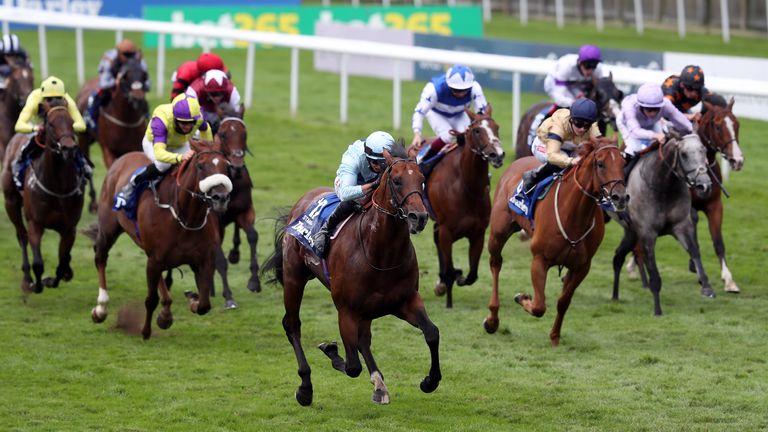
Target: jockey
<point x="557" y="138"/>
<point x="443" y="101"/>
<point x="109" y="67"/>
<point x="357" y="176"/>
<point x="31" y="119"/>
<point x="640" y="120"/>
<point x="166" y="141"/>
<point x="193" y="69"/>
<point x="212" y="90"/>
<point x="686" y="91"/>
<point x="11" y="52"/>
<point x="573" y="75"/>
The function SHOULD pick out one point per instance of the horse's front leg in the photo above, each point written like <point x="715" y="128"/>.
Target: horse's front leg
<point x="348" y="327"/>
<point x="154" y="275"/>
<point x="684" y="234"/>
<point x="107" y="233"/>
<point x="200" y="303"/>
<point x="654" y="278"/>
<point x="448" y="273"/>
<point x="63" y="270"/>
<point x="35" y="232"/>
<point x="714" y="212"/>
<point x="625" y="246"/>
<point x="500" y="233"/>
<point x="572" y="280"/>
<point x="245" y="221"/>
<point x="415" y="314"/>
<point x="93" y="205"/>
<point x="13" y="208"/>
<point x="222" y="268"/>
<point x="165" y="317"/>
<point x="536" y="306"/>
<point x="475" y="250"/>
<point x="234" y="253"/>
<point x="380" y="391"/>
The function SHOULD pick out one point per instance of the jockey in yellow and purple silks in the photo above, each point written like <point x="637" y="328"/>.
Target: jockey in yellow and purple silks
<point x="166" y="141"/>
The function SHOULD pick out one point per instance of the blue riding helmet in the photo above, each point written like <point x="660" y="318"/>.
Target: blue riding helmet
<point x="459" y="77"/>
<point x="376" y="143"/>
<point x="584" y="109"/>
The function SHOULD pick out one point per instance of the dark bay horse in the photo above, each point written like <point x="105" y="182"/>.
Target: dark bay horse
<point x="661" y="204"/>
<point x="18" y="86"/>
<point x="174" y="227"/>
<point x="373" y="272"/>
<point x="719" y="132"/>
<point x="567" y="229"/>
<point x="123" y="122"/>
<point x="52" y="197"/>
<point x="603" y="92"/>
<point x="459" y="194"/>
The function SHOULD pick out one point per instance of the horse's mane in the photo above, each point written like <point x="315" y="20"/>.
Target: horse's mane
<point x="398" y="149"/>
<point x="593" y="144"/>
<point x="715" y="99"/>
<point x="229" y="110"/>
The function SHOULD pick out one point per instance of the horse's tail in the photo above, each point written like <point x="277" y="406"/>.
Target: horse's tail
<point x="274" y="263"/>
<point x="91" y="232"/>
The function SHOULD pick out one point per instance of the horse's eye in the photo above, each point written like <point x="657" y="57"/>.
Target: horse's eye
<point x="199" y="166"/>
<point x="476" y="131"/>
<point x="685" y="156"/>
<point x="600" y="164"/>
<point x="397" y="181"/>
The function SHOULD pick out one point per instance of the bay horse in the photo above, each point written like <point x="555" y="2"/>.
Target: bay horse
<point x="18" y="86"/>
<point x="567" y="228"/>
<point x="719" y="132"/>
<point x="52" y="197"/>
<point x="661" y="204"/>
<point x="459" y="193"/>
<point x="123" y="122"/>
<point x="602" y="91"/>
<point x="372" y="271"/>
<point x="174" y="227"/>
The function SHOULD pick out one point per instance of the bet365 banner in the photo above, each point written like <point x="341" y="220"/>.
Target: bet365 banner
<point x="447" y="21"/>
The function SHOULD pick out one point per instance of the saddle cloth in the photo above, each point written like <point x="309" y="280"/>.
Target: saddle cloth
<point x="304" y="227"/>
<point x="525" y="205"/>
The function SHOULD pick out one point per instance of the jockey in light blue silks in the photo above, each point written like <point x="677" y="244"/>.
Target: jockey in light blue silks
<point x="357" y="176"/>
<point x="442" y="102"/>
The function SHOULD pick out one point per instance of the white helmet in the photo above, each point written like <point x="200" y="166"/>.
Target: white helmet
<point x="10" y="44"/>
<point x="459" y="77"/>
<point x="376" y="143"/>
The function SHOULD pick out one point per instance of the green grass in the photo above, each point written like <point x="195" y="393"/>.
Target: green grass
<point x="700" y="367"/>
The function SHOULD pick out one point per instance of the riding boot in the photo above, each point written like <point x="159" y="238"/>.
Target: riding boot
<point x="149" y="173"/>
<point x="424" y="161"/>
<point x="532" y="177"/>
<point x="92" y="111"/>
<point x="321" y="239"/>
<point x="29" y="151"/>
<point x="629" y="163"/>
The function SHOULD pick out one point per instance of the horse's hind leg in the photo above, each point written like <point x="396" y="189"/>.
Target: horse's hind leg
<point x="572" y="280"/>
<point x="221" y="268"/>
<point x="107" y="232"/>
<point x="245" y="221"/>
<point x="496" y="241"/>
<point x="63" y="270"/>
<point x="234" y="253"/>
<point x="414" y="313"/>
<point x="349" y="329"/>
<point x="93" y="205"/>
<point x="13" y="208"/>
<point x="475" y="250"/>
<point x="294" y="279"/>
<point x="35" y="232"/>
<point x="625" y="246"/>
<point x="714" y="212"/>
<point x="536" y="306"/>
<point x="380" y="391"/>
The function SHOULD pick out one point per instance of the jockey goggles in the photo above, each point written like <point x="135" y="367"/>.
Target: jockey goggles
<point x="582" y="124"/>
<point x="590" y="64"/>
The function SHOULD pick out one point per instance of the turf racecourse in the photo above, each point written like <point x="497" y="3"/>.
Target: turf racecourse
<point x="700" y="367"/>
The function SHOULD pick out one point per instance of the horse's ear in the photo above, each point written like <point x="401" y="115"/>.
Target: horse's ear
<point x="471" y="115"/>
<point x="707" y="105"/>
<point x="388" y="157"/>
<point x="610" y="76"/>
<point x="488" y="110"/>
<point x="730" y="103"/>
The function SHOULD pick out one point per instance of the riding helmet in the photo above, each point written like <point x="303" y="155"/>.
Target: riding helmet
<point x="589" y="53"/>
<point x="584" y="109"/>
<point x="208" y="61"/>
<point x="459" y="77"/>
<point x="649" y="95"/>
<point x="215" y="81"/>
<point x="186" y="108"/>
<point x="376" y="143"/>
<point x="52" y="87"/>
<point x="692" y="77"/>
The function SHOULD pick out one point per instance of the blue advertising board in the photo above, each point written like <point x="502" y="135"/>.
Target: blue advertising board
<point x="528" y="83"/>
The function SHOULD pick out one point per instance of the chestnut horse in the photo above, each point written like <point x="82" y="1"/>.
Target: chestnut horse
<point x="123" y="122"/>
<point x="52" y="197"/>
<point x="371" y="272"/>
<point x="719" y="132"/>
<point x="568" y="226"/>
<point x="18" y="86"/>
<point x="459" y="194"/>
<point x="602" y="91"/>
<point x="174" y="227"/>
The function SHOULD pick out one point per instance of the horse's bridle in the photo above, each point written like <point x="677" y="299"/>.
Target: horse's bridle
<point x="710" y="143"/>
<point x="605" y="192"/>
<point x="396" y="203"/>
<point x="673" y="168"/>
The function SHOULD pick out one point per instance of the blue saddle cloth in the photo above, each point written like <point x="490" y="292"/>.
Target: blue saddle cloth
<point x="81" y="163"/>
<point x="131" y="206"/>
<point x="525" y="205"/>
<point x="310" y="222"/>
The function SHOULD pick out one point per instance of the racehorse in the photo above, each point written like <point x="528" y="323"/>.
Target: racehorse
<point x="567" y="228"/>
<point x="371" y="272"/>
<point x="18" y="86"/>
<point x="602" y="91"/>
<point x="459" y="194"/>
<point x="719" y="132"/>
<point x="661" y="204"/>
<point x="174" y="227"/>
<point x="122" y="123"/>
<point x="52" y="197"/>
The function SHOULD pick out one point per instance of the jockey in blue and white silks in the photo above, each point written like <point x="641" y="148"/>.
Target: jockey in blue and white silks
<point x="357" y="176"/>
<point x="443" y="101"/>
<point x="572" y="73"/>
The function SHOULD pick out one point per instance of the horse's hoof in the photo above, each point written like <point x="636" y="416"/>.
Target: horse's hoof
<point x="428" y="385"/>
<point x="330" y="349"/>
<point x="708" y="292"/>
<point x="67" y="275"/>
<point x="97" y="318"/>
<point x="490" y="325"/>
<point x="234" y="256"/>
<point x="519" y="297"/>
<point x="191" y="295"/>
<point x="93" y="207"/>
<point x="37" y="287"/>
<point x="146" y="334"/>
<point x="304" y="396"/>
<point x="732" y="288"/>
<point x="164" y="323"/>
<point x="380" y="397"/>
<point x="254" y="285"/>
<point x="230" y="304"/>
<point x="555" y="342"/>
<point x="50" y="282"/>
<point x="441" y="288"/>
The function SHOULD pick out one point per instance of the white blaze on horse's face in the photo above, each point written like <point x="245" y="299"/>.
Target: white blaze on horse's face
<point x="214" y="180"/>
<point x="494" y="140"/>
<point x="693" y="160"/>
<point x="737" y="157"/>
<point x="615" y="108"/>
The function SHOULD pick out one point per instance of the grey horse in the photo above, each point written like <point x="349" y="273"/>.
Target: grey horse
<point x="660" y="204"/>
